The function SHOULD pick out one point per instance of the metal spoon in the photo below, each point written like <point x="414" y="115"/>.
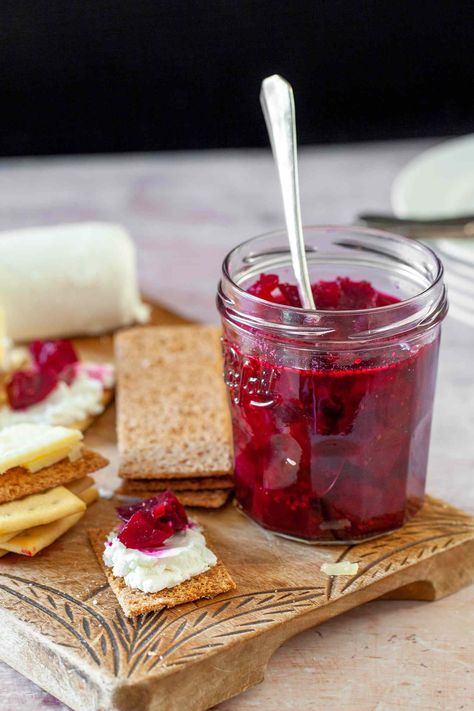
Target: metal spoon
<point x="278" y="106"/>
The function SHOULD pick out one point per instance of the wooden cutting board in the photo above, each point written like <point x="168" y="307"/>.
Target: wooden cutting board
<point x="61" y="626"/>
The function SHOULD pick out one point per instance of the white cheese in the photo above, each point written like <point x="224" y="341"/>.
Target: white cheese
<point x="65" y="405"/>
<point x="66" y="280"/>
<point x="3" y="341"/>
<point x="181" y="557"/>
<point x="34" y="446"/>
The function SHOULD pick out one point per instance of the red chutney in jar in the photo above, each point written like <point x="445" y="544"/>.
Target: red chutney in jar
<point x="338" y="451"/>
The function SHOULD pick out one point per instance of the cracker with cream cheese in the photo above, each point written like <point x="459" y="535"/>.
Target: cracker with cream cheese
<point x="209" y="584"/>
<point x="83" y="425"/>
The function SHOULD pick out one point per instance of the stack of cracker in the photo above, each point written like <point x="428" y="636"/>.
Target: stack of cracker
<point x="45" y="486"/>
<point x="173" y="420"/>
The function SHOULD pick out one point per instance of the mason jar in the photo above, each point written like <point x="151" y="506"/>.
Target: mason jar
<point x="331" y="409"/>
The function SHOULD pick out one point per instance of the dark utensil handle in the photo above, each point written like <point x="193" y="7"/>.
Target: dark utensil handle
<point x="380" y="218"/>
<point x="456" y="227"/>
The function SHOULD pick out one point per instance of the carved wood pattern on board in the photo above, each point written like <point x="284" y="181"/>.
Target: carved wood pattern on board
<point x="97" y="633"/>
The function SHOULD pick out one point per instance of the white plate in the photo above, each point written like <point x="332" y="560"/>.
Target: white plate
<point x="437" y="183"/>
<point x="440" y="183"/>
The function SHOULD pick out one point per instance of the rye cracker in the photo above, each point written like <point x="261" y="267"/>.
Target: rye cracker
<point x="214" y="581"/>
<point x="212" y="499"/>
<point x="151" y="486"/>
<point x="172" y="414"/>
<point x="17" y="482"/>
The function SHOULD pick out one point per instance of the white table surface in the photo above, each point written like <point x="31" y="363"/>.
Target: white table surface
<point x="185" y="211"/>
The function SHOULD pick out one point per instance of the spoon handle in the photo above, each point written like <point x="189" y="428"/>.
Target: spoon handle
<point x="278" y="106"/>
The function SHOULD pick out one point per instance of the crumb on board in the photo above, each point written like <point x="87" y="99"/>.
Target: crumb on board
<point x="344" y="568"/>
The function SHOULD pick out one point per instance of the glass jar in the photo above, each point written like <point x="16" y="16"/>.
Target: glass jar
<point x="331" y="410"/>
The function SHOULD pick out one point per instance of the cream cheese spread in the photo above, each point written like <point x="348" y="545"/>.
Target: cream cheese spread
<point x="66" y="404"/>
<point x="181" y="557"/>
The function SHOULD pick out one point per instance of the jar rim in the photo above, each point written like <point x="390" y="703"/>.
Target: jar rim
<point x="414" y="261"/>
<point x="337" y="228"/>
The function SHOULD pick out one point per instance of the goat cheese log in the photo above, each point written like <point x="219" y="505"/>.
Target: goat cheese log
<point x="68" y="280"/>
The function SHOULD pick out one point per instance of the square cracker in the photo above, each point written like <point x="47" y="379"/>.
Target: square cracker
<point x="33" y="540"/>
<point x="206" y="499"/>
<point x="173" y="419"/>
<point x="214" y="581"/>
<point x="17" y="482"/>
<point x="38" y="509"/>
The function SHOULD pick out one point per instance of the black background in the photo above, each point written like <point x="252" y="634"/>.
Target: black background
<point x="106" y="76"/>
